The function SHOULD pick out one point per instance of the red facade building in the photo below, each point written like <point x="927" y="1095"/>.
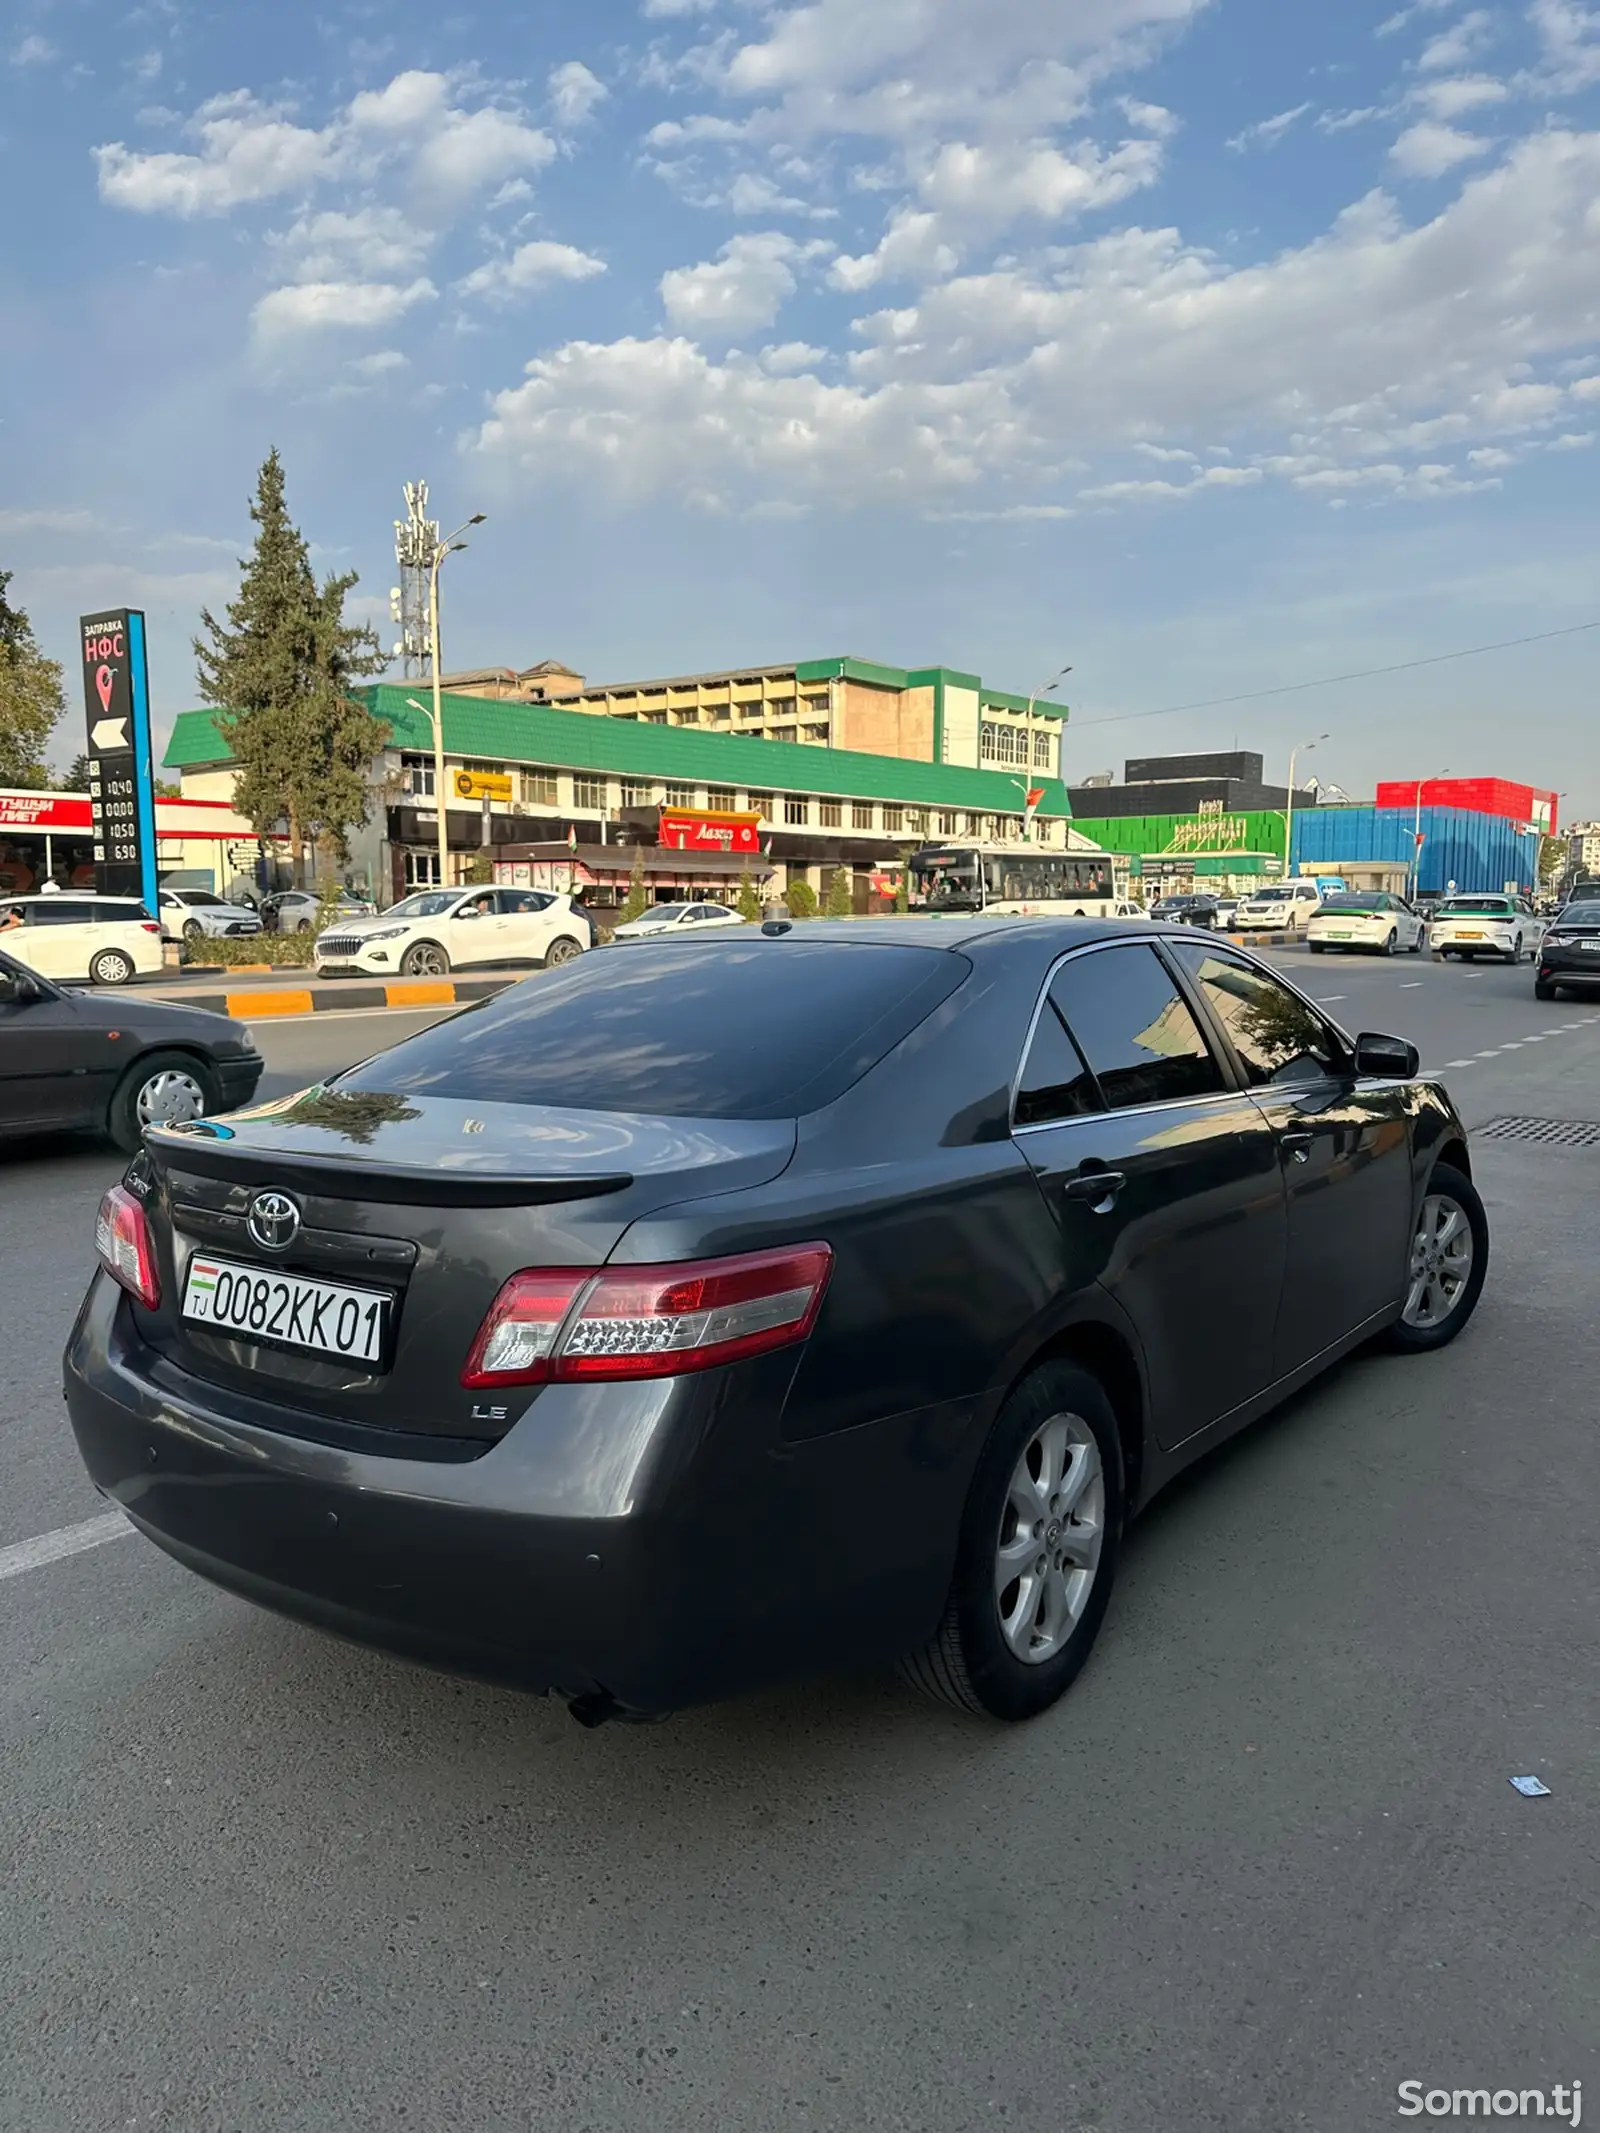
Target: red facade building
<point x="1523" y="804"/>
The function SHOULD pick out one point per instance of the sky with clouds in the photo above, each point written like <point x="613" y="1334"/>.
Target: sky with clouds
<point x="1208" y="345"/>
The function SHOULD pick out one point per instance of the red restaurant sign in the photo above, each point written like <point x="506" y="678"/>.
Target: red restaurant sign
<point x="44" y="811"/>
<point x="680" y="831"/>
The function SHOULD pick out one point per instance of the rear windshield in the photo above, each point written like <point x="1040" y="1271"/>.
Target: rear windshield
<point x="1336" y="904"/>
<point x="758" y="1029"/>
<point x="1474" y="907"/>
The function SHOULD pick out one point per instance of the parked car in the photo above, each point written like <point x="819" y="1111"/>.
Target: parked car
<point x="440" y="930"/>
<point x="1285" y="907"/>
<point x="1470" y="926"/>
<point x="1569" y="950"/>
<point x="298" y="910"/>
<point x="819" y="1296"/>
<point x="676" y="918"/>
<point x="186" y="914"/>
<point x="106" y="939"/>
<point x="76" y="1060"/>
<point x="1227" y="908"/>
<point x="1185" y="911"/>
<point x="1370" y="919"/>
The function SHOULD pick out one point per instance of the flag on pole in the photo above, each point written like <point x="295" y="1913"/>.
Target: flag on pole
<point x="1035" y="795"/>
<point x="572" y="837"/>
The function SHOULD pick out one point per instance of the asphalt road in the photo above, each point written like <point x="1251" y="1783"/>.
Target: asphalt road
<point x="1262" y="1865"/>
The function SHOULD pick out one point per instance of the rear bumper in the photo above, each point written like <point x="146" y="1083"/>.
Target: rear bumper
<point x="1573" y="966"/>
<point x="237" y="1080"/>
<point x="656" y="1544"/>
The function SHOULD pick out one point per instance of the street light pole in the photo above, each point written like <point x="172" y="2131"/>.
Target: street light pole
<point x="1416" y="835"/>
<point x="1305" y="748"/>
<point x="1044" y="689"/>
<point x="441" y="549"/>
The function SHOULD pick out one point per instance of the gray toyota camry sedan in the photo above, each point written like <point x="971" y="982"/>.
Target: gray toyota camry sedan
<point x="807" y="1296"/>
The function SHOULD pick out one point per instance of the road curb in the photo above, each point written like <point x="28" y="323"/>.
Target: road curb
<point x="260" y="1004"/>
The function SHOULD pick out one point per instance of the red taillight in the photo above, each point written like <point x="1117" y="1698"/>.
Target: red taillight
<point x="648" y="1321"/>
<point x="147" y="925"/>
<point x="125" y="1247"/>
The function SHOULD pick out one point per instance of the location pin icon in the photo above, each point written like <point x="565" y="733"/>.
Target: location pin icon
<point x="104" y="681"/>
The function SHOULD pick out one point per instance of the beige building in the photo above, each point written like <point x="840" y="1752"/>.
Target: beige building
<point x="922" y="715"/>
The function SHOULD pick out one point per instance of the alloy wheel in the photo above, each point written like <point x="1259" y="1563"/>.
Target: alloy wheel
<point x="426" y="961"/>
<point x="111" y="967"/>
<point x="1051" y="1532"/>
<point x="170" y="1098"/>
<point x="560" y="952"/>
<point x="1441" y="1262"/>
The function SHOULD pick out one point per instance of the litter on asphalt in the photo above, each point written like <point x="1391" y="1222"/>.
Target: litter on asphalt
<point x="1531" y="1788"/>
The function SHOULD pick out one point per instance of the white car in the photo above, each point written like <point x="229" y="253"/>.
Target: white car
<point x="1369" y="919"/>
<point x="1287" y="907"/>
<point x="678" y="919"/>
<point x="106" y="939"/>
<point x="440" y="930"/>
<point x="1471" y="926"/>
<point x="186" y="914"/>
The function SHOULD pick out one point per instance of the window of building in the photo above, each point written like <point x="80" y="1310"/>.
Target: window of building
<point x="974" y="825"/>
<point x="815" y="703"/>
<point x="422" y="870"/>
<point x="537" y="788"/>
<point x="720" y="714"/>
<point x="815" y="734"/>
<point x="782" y="733"/>
<point x="1042" y="752"/>
<point x="635" y="794"/>
<point x="946" y="823"/>
<point x="988" y="742"/>
<point x="796" y="808"/>
<point x="689" y="715"/>
<point x="655" y="718"/>
<point x="861" y="814"/>
<point x="749" y="707"/>
<point x="760" y="803"/>
<point x="680" y="796"/>
<point x="832" y="814"/>
<point x="1133" y="1027"/>
<point x="721" y="796"/>
<point x="782" y="705"/>
<point x="590" y="793"/>
<point x="917" y="820"/>
<point x="417" y="774"/>
<point x="999" y="743"/>
<point x="893" y="820"/>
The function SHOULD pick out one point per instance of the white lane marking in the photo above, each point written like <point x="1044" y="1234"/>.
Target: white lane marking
<point x="1326" y="999"/>
<point x="1413" y="985"/>
<point x="1450" y="1063"/>
<point x="1493" y="1053"/>
<point x="66" y="1540"/>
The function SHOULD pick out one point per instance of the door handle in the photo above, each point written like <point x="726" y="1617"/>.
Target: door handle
<point x="1098" y="1187"/>
<point x="1297" y="1145"/>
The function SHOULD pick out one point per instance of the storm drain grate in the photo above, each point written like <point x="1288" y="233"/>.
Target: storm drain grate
<point x="1548" y="1132"/>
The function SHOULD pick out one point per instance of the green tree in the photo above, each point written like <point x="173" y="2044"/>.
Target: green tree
<point x="76" y="776"/>
<point x="801" y="898"/>
<point x="1552" y="858"/>
<point x="749" y="904"/>
<point x="280" y="671"/>
<point x="31" y="698"/>
<point x="638" y="897"/>
<point x="902" y="891"/>
<point x="841" y="893"/>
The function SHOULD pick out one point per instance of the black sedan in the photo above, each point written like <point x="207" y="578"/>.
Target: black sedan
<point x="808" y="1296"/>
<point x="80" y="1060"/>
<point x="1186" y="911"/>
<point x="1569" y="951"/>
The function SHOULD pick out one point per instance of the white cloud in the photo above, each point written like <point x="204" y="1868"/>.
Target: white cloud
<point x="531" y="266"/>
<point x="1573" y="441"/>
<point x="746" y="285"/>
<point x="791" y="356"/>
<point x="1456" y="93"/>
<point x="753" y="193"/>
<point x="32" y="51"/>
<point x="574" y="93"/>
<point x="381" y="364"/>
<point x="1379" y="343"/>
<point x="1428" y="150"/>
<point x="1407" y="14"/>
<point x="248" y="152"/>
<point x="1459" y="45"/>
<point x="346" y="306"/>
<point x="1491" y="458"/>
<point x="1569" y="38"/>
<point x="333" y="245"/>
<point x="1266" y="133"/>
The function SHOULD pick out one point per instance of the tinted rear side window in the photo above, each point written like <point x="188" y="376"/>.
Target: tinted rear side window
<point x="764" y="1029"/>
<point x="1134" y="1027"/>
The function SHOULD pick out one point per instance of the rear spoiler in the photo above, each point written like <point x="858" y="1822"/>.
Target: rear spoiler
<point x="390" y="1184"/>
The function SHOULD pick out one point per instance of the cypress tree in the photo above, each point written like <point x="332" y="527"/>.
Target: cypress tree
<point x="31" y="697"/>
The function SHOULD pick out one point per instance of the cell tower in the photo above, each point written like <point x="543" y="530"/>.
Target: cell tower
<point x="416" y="536"/>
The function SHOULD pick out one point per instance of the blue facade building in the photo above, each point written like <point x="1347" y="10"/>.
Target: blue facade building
<point x="1476" y="852"/>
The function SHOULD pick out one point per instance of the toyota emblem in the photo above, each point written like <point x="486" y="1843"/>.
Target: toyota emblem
<point x="273" y="1221"/>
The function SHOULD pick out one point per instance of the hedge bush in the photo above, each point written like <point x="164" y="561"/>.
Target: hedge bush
<point x="284" y="951"/>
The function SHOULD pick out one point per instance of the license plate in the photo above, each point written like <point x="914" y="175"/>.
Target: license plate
<point x="1338" y="936"/>
<point x="287" y="1310"/>
<point x="1592" y="946"/>
<point x="1463" y="935"/>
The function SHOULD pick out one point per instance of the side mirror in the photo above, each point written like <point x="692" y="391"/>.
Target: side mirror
<point x="21" y="990"/>
<point x="1386" y="1058"/>
<point x="469" y="911"/>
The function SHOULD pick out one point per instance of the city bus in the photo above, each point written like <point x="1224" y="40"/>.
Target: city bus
<point x="1014" y="881"/>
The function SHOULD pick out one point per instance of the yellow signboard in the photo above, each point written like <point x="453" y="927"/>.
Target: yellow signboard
<point x="480" y="784"/>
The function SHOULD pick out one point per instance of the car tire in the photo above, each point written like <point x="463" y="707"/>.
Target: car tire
<point x="562" y="950"/>
<point x="1056" y="1425"/>
<point x="425" y="959"/>
<point x="110" y="967"/>
<point x="1391" y="944"/>
<point x="1416" y="946"/>
<point x="1316" y="947"/>
<point x="192" y="929"/>
<point x="163" y="1087"/>
<point x="1448" y="1191"/>
<point x="304" y="926"/>
<point x="1515" y="955"/>
<point x="1543" y="989"/>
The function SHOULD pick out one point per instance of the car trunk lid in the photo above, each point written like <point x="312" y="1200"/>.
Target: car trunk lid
<point x="429" y="1203"/>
